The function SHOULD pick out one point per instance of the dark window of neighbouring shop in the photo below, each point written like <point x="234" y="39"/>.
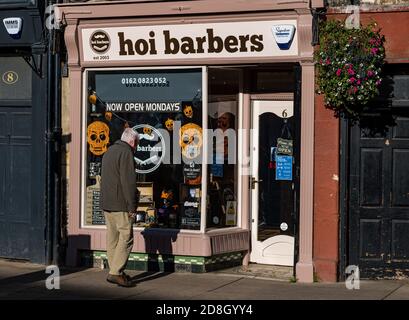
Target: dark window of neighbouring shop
<point x="165" y="107"/>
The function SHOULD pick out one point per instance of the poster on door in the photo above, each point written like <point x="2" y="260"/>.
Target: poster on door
<point x="284" y="167"/>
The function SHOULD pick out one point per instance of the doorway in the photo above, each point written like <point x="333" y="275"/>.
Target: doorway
<point x="273" y="197"/>
<point x="378" y="182"/>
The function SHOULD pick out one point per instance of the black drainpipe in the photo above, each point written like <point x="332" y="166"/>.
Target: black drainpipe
<point x="53" y="146"/>
<point x="57" y="132"/>
<point x="49" y="151"/>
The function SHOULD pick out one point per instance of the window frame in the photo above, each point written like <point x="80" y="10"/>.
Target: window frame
<point x="203" y="213"/>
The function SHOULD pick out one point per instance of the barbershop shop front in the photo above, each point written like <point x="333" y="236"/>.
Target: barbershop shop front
<point x="223" y="101"/>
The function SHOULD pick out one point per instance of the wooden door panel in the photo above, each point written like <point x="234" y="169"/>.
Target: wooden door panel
<point x="400" y="240"/>
<point x="400" y="178"/>
<point x="371" y="184"/>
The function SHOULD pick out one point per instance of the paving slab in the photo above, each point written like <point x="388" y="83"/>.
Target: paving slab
<point x="22" y="281"/>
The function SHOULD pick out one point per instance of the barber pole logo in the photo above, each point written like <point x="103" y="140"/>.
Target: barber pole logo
<point x="151" y="149"/>
<point x="100" y="42"/>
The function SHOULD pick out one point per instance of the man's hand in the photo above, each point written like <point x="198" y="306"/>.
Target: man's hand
<point x="132" y="215"/>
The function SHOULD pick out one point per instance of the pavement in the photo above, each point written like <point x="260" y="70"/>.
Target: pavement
<point x="26" y="281"/>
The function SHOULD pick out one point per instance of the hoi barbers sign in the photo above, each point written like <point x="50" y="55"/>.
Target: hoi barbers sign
<point x="216" y="40"/>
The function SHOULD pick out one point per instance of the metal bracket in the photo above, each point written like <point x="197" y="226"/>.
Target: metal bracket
<point x="31" y="61"/>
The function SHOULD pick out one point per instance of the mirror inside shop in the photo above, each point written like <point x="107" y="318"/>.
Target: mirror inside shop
<point x="165" y="108"/>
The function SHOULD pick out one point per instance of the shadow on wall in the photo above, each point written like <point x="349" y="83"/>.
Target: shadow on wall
<point x="158" y="245"/>
<point x="65" y="140"/>
<point x="74" y="242"/>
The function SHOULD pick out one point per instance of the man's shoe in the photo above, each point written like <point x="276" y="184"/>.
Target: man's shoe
<point x="120" y="280"/>
<point x="127" y="276"/>
<point x="110" y="278"/>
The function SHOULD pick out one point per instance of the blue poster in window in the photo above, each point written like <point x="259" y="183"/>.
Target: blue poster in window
<point x="284" y="167"/>
<point x="217" y="170"/>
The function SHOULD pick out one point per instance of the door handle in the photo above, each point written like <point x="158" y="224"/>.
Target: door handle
<point x="254" y="181"/>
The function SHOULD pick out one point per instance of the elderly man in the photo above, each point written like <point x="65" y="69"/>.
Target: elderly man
<point x="119" y="200"/>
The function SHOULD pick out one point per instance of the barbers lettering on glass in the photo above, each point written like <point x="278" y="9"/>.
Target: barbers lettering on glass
<point x="211" y="42"/>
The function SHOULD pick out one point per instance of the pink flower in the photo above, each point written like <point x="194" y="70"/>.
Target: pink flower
<point x="351" y="72"/>
<point x="370" y="73"/>
<point x="338" y="72"/>
<point x="352" y="80"/>
<point x="328" y="61"/>
<point x="374" y="50"/>
<point x="372" y="41"/>
<point x="358" y="82"/>
<point x="355" y="89"/>
<point x="378" y="82"/>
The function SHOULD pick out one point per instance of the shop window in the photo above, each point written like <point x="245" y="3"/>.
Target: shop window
<point x="165" y="107"/>
<point x="223" y="111"/>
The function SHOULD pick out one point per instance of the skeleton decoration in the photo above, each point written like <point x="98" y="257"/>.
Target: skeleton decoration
<point x="98" y="137"/>
<point x="188" y="111"/>
<point x="169" y="124"/>
<point x="191" y="140"/>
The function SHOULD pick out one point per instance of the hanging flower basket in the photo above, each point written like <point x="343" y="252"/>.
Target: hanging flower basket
<point x="349" y="63"/>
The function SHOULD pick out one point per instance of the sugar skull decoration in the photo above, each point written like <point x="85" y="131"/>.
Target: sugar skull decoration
<point x="188" y="111"/>
<point x="147" y="131"/>
<point x="169" y="124"/>
<point x="98" y="137"/>
<point x="191" y="140"/>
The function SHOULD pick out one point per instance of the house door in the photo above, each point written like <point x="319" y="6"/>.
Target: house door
<point x="272" y="183"/>
<point x="379" y="189"/>
<point x="15" y="182"/>
<point x="379" y="195"/>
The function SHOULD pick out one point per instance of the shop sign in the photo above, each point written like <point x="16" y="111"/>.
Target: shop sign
<point x="191" y="171"/>
<point x="251" y="39"/>
<point x="285" y="146"/>
<point x="158" y="107"/>
<point x="284" y="167"/>
<point x="13" y="26"/>
<point x="231" y="213"/>
<point x="150" y="151"/>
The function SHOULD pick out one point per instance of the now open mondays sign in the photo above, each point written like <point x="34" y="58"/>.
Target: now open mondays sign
<point x="189" y="41"/>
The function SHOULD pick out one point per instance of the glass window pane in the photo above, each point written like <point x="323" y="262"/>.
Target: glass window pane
<point x="165" y="107"/>
<point x="223" y="112"/>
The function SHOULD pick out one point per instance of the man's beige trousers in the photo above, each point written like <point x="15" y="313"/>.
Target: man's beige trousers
<point x="119" y="240"/>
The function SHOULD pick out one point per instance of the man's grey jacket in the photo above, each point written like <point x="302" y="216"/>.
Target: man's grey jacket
<point x="118" y="179"/>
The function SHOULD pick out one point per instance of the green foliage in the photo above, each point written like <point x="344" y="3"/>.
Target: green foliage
<point x="349" y="63"/>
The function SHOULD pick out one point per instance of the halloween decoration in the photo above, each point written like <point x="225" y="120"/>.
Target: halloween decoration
<point x="188" y="111"/>
<point x="167" y="213"/>
<point x="147" y="131"/>
<point x="98" y="137"/>
<point x="92" y="98"/>
<point x="169" y="124"/>
<point x="191" y="140"/>
<point x="108" y="116"/>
